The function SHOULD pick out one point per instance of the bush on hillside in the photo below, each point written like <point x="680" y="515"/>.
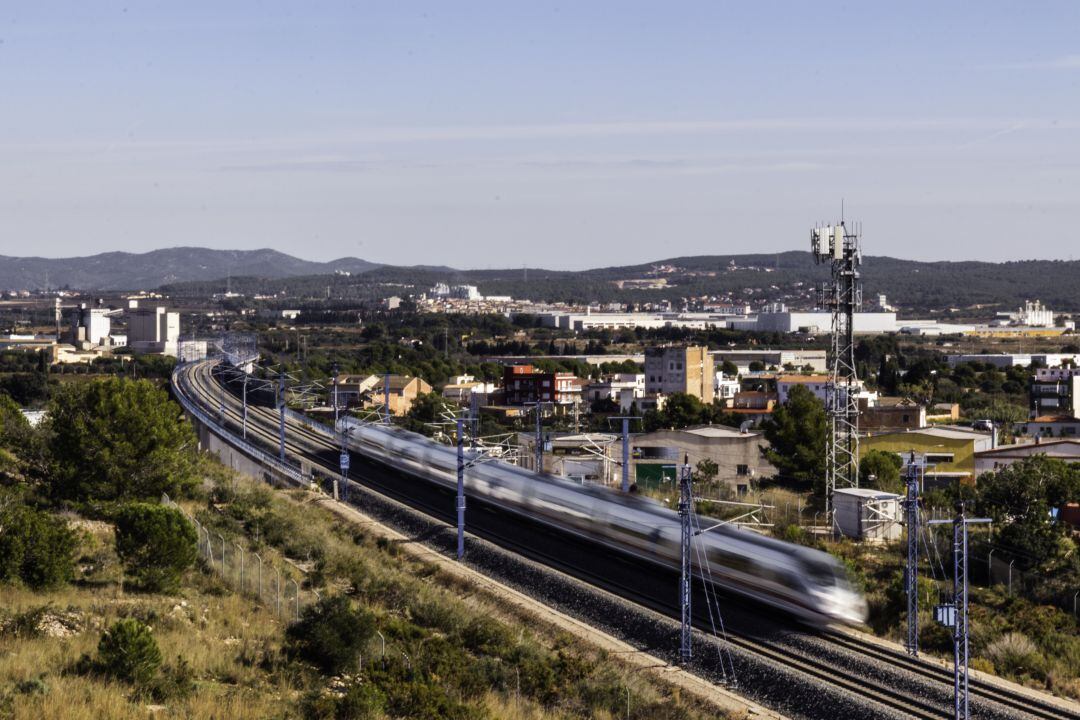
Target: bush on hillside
<point x="156" y="544"/>
<point x="36" y="548"/>
<point x="330" y="635"/>
<point x="128" y="651"/>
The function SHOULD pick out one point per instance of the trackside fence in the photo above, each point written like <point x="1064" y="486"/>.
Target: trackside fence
<point x="247" y="573"/>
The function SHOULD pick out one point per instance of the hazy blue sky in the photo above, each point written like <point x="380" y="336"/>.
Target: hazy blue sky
<point x="564" y="135"/>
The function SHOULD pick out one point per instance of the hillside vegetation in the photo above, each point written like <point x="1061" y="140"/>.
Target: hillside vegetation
<point x="111" y="610"/>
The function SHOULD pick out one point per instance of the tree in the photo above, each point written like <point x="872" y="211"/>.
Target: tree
<point x="330" y="634"/>
<point x="1020" y="497"/>
<point x="119" y="439"/>
<point x="681" y="410"/>
<point x="883" y="467"/>
<point x="35" y="547"/>
<point x="127" y="651"/>
<point x="797" y="433"/>
<point x="156" y="544"/>
<point x="14" y="427"/>
<point x="706" y="470"/>
<point x="729" y="369"/>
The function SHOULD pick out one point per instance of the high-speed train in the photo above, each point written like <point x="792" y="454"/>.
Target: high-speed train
<point x="804" y="582"/>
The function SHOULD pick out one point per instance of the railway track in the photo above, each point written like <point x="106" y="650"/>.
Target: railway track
<point x="897" y="699"/>
<point x="1017" y="701"/>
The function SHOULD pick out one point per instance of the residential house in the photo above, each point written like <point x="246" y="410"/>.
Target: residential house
<point x="948" y="451"/>
<point x="1067" y="449"/>
<point x="890" y="413"/>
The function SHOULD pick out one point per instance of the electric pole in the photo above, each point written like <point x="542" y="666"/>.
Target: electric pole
<point x="460" y="488"/>
<point x="911" y="571"/>
<point x="955" y="614"/>
<point x="281" y="410"/>
<point x="686" y="498"/>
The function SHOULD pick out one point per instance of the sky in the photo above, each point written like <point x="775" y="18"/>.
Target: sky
<point x="563" y="135"/>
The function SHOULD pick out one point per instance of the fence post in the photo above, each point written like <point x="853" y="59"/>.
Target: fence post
<point x="224" y="567"/>
<point x="260" y="576"/>
<point x="277" y="586"/>
<point x="990" y="568"/>
<point x="1074" y="603"/>
<point x="241" y="549"/>
<point x="296" y="598"/>
<point x="1010" y="576"/>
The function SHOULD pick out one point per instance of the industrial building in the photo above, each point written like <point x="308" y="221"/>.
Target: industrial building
<point x="679" y="369"/>
<point x="91" y="327"/>
<point x="656" y="455"/>
<point x="153" y="331"/>
<point x="819" y="323"/>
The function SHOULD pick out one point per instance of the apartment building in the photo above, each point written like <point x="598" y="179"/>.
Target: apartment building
<point x="680" y="369"/>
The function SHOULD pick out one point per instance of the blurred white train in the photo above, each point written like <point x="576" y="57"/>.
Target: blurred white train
<point x="809" y="584"/>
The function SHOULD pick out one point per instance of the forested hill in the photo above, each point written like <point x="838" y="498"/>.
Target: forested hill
<point x="149" y="270"/>
<point x="791" y="277"/>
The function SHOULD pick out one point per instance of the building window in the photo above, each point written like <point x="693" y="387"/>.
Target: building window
<point x="935" y="458"/>
<point x="742" y="469"/>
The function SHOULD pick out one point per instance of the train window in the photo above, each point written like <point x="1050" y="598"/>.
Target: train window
<point x="821" y="574"/>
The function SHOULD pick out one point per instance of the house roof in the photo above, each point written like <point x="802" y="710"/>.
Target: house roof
<point x="946" y="432"/>
<point x="802" y="378"/>
<point x="1019" y="448"/>
<point x="866" y="493"/>
<point x="715" y="431"/>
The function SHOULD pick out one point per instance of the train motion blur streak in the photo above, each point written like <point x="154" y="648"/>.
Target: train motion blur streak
<point x="807" y="583"/>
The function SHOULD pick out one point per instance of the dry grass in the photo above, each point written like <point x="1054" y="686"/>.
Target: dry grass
<point x="233" y="643"/>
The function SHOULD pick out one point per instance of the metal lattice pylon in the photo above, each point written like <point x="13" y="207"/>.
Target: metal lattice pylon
<point x="686" y="500"/>
<point x="839" y="246"/>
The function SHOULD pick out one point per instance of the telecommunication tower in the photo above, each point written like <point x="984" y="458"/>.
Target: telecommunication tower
<point x="838" y="245"/>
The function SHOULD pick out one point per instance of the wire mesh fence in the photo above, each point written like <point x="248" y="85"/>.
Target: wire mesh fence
<point x="246" y="572"/>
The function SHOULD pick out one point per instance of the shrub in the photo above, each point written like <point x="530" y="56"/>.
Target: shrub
<point x="360" y="702"/>
<point x="1014" y="654"/>
<point x="174" y="682"/>
<point x="35" y="547"/>
<point x="156" y="544"/>
<point x="128" y="651"/>
<point x="330" y="635"/>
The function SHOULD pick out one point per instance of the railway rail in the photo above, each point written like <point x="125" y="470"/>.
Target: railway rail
<point x="197" y="385"/>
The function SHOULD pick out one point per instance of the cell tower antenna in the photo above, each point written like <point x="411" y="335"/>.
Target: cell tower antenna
<point x="839" y="246"/>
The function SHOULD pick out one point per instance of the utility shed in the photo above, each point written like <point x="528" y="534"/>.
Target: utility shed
<point x="866" y="514"/>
